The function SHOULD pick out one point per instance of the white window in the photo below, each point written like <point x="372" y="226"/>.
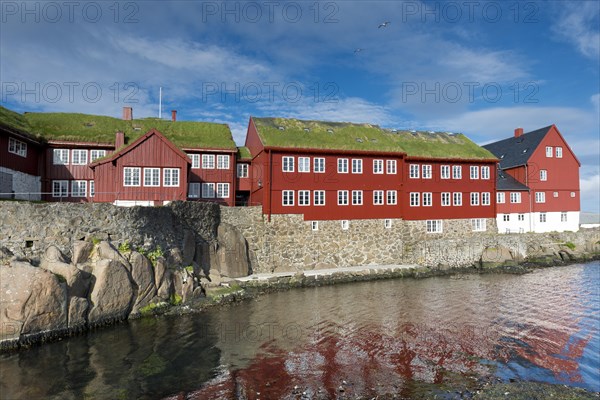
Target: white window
<point x="413" y="171"/>
<point x="208" y="161"/>
<point x="558" y="152"/>
<point x="540" y="197"/>
<point x="434" y="226"/>
<point x="378" y="166"/>
<point x="445" y="171"/>
<point x="427" y="199"/>
<point x="242" y="170"/>
<point x="555" y="194"/>
<point x="456" y="172"/>
<point x="415" y="199"/>
<point x="521" y="217"/>
<point x="345" y="224"/>
<point x="342" y="165"/>
<point x="515" y="197"/>
<point x="131" y="176"/>
<point x="319" y="197"/>
<point x="223" y="161"/>
<point x="357" y="165"/>
<point x="426" y="171"/>
<point x="485" y="199"/>
<point x="195" y="160"/>
<point x="303" y="196"/>
<point x="342" y="197"/>
<point x="378" y="197"/>
<point x="223" y="190"/>
<point x="474" y="172"/>
<point x="78" y="188"/>
<point x="392" y="197"/>
<point x="96" y="154"/>
<point x="391" y="167"/>
<point x="303" y="164"/>
<point x="61" y="156"/>
<point x="314" y="225"/>
<point x="478" y="224"/>
<point x="208" y="190"/>
<point x="151" y="176"/>
<point x="485" y="172"/>
<point x="60" y="188"/>
<point x="457" y="198"/>
<point x="506" y="218"/>
<point x="287" y="198"/>
<point x="357" y="197"/>
<point x="549" y="151"/>
<point x="474" y="199"/>
<point x="92" y="189"/>
<point x="79" y="157"/>
<point x="500" y="197"/>
<point x="288" y="164"/>
<point x="543" y="175"/>
<point x="171" y="177"/>
<point x="17" y="147"/>
<point x="543" y="217"/>
<point x="319" y="164"/>
<point x="563" y="216"/>
<point x="387" y="223"/>
<point x="572" y="194"/>
<point x="445" y="199"/>
<point x="194" y="190"/>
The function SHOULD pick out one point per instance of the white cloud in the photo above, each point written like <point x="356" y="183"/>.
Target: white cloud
<point x="578" y="24"/>
<point x="590" y="193"/>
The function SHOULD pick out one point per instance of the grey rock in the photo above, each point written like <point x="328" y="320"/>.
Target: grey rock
<point x="111" y="294"/>
<point x="78" y="308"/>
<point x="107" y="251"/>
<point x="232" y="254"/>
<point x="81" y="251"/>
<point x="143" y="276"/>
<point x="189" y="247"/>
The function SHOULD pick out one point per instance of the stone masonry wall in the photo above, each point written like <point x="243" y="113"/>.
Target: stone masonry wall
<point x="26" y="187"/>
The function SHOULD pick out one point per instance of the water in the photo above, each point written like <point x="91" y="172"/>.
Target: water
<point x="397" y="336"/>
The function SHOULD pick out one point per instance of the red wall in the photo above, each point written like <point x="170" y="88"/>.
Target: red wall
<point x="214" y="175"/>
<point x="510" y="208"/>
<point x="29" y="165"/>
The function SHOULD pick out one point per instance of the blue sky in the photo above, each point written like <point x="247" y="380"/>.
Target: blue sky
<point x="481" y="68"/>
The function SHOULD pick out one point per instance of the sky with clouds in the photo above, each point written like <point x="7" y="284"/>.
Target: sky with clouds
<point x="481" y="68"/>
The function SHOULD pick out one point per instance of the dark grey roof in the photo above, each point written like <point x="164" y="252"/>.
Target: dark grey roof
<point x="506" y="182"/>
<point x="516" y="151"/>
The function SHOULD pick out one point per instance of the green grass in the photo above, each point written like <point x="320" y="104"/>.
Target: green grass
<point x="350" y="136"/>
<point x="102" y="129"/>
<point x="570" y="245"/>
<point x="244" y="152"/>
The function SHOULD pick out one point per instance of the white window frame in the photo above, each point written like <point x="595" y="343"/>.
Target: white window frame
<point x="92" y="189"/>
<point x="500" y="197"/>
<point x="540" y="197"/>
<point x="457" y="199"/>
<point x="171" y="177"/>
<point x="378" y="197"/>
<point x="195" y="158"/>
<point x="543" y="217"/>
<point x="60" y="188"/>
<point x="474" y="198"/>
<point x="474" y="172"/>
<point x="303" y="196"/>
<point x="572" y="194"/>
<point x="549" y="151"/>
<point x="152" y="174"/>
<point x="445" y="171"/>
<point x="96" y="154"/>
<point x="208" y="161"/>
<point x="342" y="196"/>
<point x="208" y="190"/>
<point x="17" y="147"/>
<point x="242" y="170"/>
<point x="287" y="198"/>
<point x="357" y="166"/>
<point x="559" y="152"/>
<point x="79" y="157"/>
<point x="319" y="165"/>
<point x="415" y="199"/>
<point x="427" y="200"/>
<point x="76" y="188"/>
<point x="223" y="190"/>
<point x="194" y="190"/>
<point x="391" y="167"/>
<point x="314" y="225"/>
<point x="377" y="167"/>
<point x="60" y="156"/>
<point x="434" y="226"/>
<point x="515" y="197"/>
<point x="413" y="171"/>
<point x="485" y="172"/>
<point x="543" y="175"/>
<point x="479" y="224"/>
<point x="446" y="199"/>
<point x="391" y="197"/>
<point x="345" y="224"/>
<point x="304" y="164"/>
<point x="131" y="172"/>
<point x="342" y="165"/>
<point x="563" y="216"/>
<point x="457" y="172"/>
<point x="426" y="171"/>
<point x="287" y="164"/>
<point x="486" y="199"/>
<point x="387" y="223"/>
<point x="319" y="198"/>
<point x="357" y="197"/>
<point x="223" y="161"/>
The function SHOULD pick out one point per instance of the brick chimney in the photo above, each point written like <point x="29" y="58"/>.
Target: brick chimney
<point x="173" y="115"/>
<point x="518" y="132"/>
<point x="127" y="113"/>
<point x="119" y="140"/>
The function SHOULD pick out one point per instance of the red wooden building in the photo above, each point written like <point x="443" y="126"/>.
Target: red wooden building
<point x="538" y="186"/>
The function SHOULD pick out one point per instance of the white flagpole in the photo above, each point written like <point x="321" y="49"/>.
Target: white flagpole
<point x="160" y="103"/>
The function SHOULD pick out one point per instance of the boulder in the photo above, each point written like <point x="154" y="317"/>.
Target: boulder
<point x="107" y="251"/>
<point x="32" y="300"/>
<point x="232" y="252"/>
<point x="52" y="254"/>
<point x="189" y="247"/>
<point x="497" y="255"/>
<point x="163" y="279"/>
<point x="78" y="308"/>
<point x="78" y="281"/>
<point x="81" y="251"/>
<point x="183" y="284"/>
<point x="111" y="294"/>
<point x="143" y="276"/>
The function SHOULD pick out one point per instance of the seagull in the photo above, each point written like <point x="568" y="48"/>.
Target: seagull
<point x="357" y="51"/>
<point x="384" y="24"/>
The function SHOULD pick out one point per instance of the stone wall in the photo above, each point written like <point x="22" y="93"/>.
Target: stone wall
<point x="26" y="187"/>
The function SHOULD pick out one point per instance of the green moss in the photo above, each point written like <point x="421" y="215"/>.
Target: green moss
<point x="95" y="241"/>
<point x="176" y="299"/>
<point x="125" y="247"/>
<point x="155" y="254"/>
<point x="189" y="268"/>
<point x="570" y="245"/>
<point x="61" y="278"/>
<point x="244" y="152"/>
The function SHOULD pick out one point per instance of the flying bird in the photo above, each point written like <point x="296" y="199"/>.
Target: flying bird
<point x="384" y="24"/>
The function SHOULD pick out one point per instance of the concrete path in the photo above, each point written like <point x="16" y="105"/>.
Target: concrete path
<point x="326" y="272"/>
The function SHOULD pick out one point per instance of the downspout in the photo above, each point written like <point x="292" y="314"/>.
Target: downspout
<point x="268" y="185"/>
<point x="530" y="204"/>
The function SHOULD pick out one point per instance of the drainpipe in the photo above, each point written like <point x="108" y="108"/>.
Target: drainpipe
<point x="268" y="185"/>
<point x="530" y="204"/>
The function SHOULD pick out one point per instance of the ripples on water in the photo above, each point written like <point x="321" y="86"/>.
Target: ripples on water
<point x="369" y="338"/>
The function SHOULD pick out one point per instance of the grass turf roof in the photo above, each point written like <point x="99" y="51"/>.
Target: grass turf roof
<point x="244" y="152"/>
<point x="282" y="132"/>
<point x="101" y="129"/>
